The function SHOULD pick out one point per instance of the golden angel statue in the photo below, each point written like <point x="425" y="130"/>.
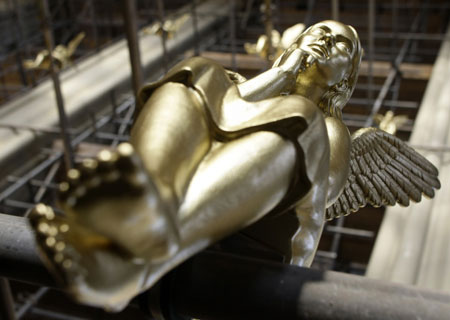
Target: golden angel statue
<point x="62" y="55"/>
<point x="389" y="122"/>
<point x="211" y="153"/>
<point x="170" y="26"/>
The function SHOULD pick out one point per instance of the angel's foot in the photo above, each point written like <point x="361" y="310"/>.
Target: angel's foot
<point x="51" y="232"/>
<point x="114" y="227"/>
<point x="90" y="266"/>
<point x="114" y="197"/>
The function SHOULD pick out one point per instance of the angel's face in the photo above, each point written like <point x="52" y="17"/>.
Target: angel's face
<point x="331" y="51"/>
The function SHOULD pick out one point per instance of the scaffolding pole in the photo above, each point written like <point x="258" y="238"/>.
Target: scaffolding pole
<point x="54" y="73"/>
<point x="131" y="28"/>
<point x="214" y="285"/>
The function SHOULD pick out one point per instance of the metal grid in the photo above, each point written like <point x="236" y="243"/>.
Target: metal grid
<point x="21" y="24"/>
<point x="409" y="36"/>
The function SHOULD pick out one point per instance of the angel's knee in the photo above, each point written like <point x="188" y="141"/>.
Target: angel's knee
<point x="303" y="248"/>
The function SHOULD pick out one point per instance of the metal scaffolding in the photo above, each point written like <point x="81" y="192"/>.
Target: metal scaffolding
<point x="389" y="37"/>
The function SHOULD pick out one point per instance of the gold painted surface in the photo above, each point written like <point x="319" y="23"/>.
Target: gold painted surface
<point x="278" y="42"/>
<point x="389" y="122"/>
<point x="170" y="26"/>
<point x="211" y="153"/>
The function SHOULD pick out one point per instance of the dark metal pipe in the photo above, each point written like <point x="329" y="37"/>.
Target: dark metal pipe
<point x="335" y="10"/>
<point x="19" y="259"/>
<point x="371" y="16"/>
<point x="232" y="22"/>
<point x="268" y="24"/>
<point x="392" y="74"/>
<point x="160" y="5"/>
<point x="221" y="286"/>
<point x="6" y="301"/>
<point x="195" y="25"/>
<point x="131" y="28"/>
<point x="63" y="122"/>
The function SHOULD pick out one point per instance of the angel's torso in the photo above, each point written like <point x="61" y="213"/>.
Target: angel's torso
<point x="340" y="146"/>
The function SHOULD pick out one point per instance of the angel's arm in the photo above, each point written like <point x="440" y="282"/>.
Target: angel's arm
<point x="273" y="82"/>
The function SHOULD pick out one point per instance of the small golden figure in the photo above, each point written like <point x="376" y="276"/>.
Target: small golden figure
<point x="212" y="153"/>
<point x="61" y="54"/>
<point x="390" y="122"/>
<point x="170" y="26"/>
<point x="279" y="43"/>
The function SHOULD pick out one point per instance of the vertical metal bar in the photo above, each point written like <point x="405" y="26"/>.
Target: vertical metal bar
<point x="6" y="301"/>
<point x="4" y="85"/>
<point x="17" y="37"/>
<point x="161" y="17"/>
<point x="371" y="34"/>
<point x="123" y="126"/>
<point x="110" y="28"/>
<point x="309" y="10"/>
<point x="232" y="22"/>
<point x="421" y="28"/>
<point x="195" y="25"/>
<point x="394" y="71"/>
<point x="94" y="24"/>
<point x="335" y="9"/>
<point x="247" y="12"/>
<point x="68" y="152"/>
<point x="131" y="28"/>
<point x="22" y="41"/>
<point x="268" y="24"/>
<point x="336" y="241"/>
<point x="394" y="40"/>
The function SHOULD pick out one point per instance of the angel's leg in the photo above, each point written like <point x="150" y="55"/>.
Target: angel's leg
<point x="121" y="205"/>
<point x="311" y="218"/>
<point x="236" y="184"/>
<point x="171" y="136"/>
<point x="311" y="209"/>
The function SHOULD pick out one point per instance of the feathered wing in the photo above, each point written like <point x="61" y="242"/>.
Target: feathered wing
<point x="74" y="43"/>
<point x="384" y="170"/>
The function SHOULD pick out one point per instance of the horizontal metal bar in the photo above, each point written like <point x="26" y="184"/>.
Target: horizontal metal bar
<point x="326" y="254"/>
<point x="221" y="286"/>
<point x="30" y="175"/>
<point x="49" y="314"/>
<point x="387" y="103"/>
<point x="33" y="128"/>
<point x="412" y="36"/>
<point x="34" y="182"/>
<point x="432" y="148"/>
<point x="351" y="232"/>
<point x="112" y="136"/>
<point x="19" y="259"/>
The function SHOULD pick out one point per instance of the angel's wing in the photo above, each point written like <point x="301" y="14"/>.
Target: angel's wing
<point x="384" y="170"/>
<point x="74" y="43"/>
<point x="37" y="62"/>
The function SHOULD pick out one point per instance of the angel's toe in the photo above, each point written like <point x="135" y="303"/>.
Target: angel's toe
<point x="51" y="237"/>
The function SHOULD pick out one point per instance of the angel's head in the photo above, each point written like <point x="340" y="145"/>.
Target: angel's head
<point x="331" y="54"/>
